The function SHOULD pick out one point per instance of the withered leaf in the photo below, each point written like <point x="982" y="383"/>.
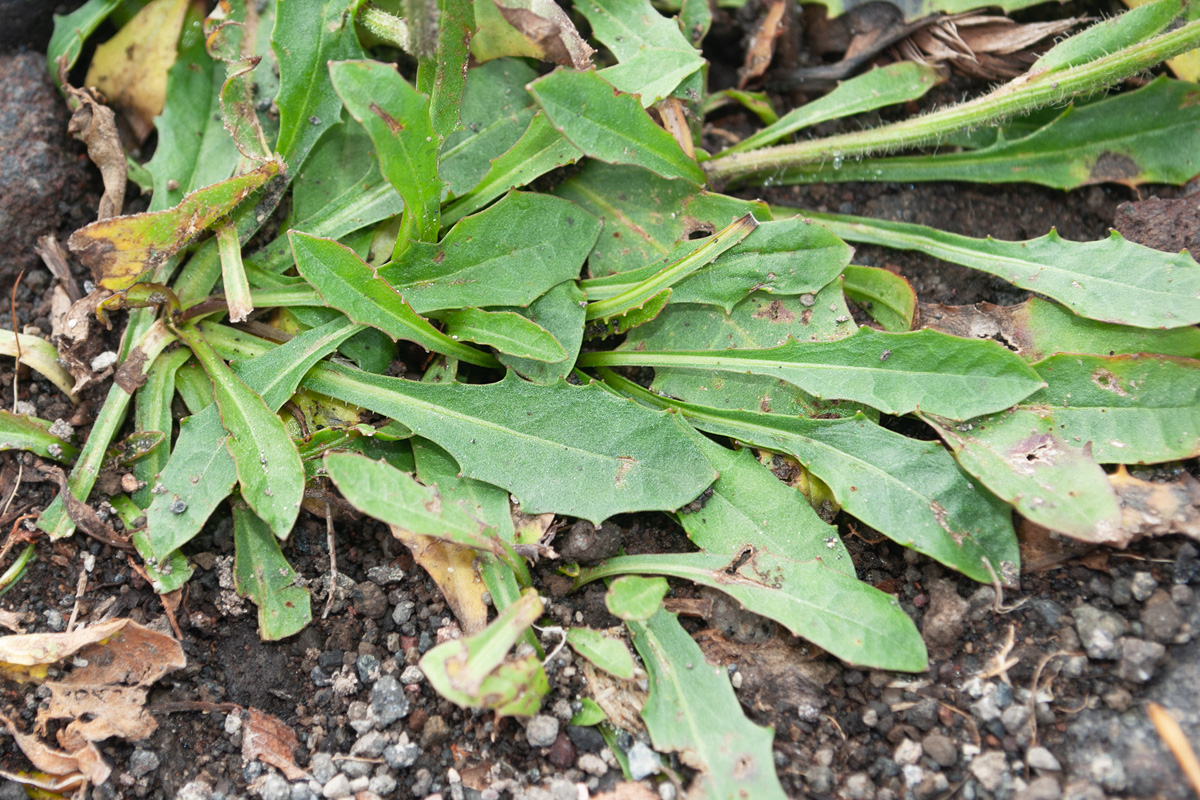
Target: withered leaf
<point x="94" y="124"/>
<point x="271" y="741"/>
<point x="122" y="249"/>
<point x="534" y="28"/>
<point x="762" y="44"/>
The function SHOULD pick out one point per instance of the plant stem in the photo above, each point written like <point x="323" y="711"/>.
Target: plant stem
<point x="385" y="26"/>
<point x="1020" y="96"/>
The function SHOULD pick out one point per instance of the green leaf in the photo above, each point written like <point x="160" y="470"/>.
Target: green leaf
<point x="761" y="320"/>
<point x="1131" y="409"/>
<point x="495" y="111"/>
<point x="507" y="331"/>
<point x="268" y="466"/>
<point x="589" y="714"/>
<point x="389" y="495"/>
<point x="561" y="312"/>
<point x="486" y="503"/>
<point x="693" y="711"/>
<point x="444" y="76"/>
<point x="608" y="654"/>
<point x="765" y="547"/>
<point x="224" y="30"/>
<point x="396" y="116"/>
<point x="350" y="285"/>
<point x="789" y="257"/>
<point x="1038" y="328"/>
<point x="1130" y="138"/>
<point x="645" y="216"/>
<point x="883" y="86"/>
<point x="264" y="575"/>
<point x="609" y="125"/>
<point x="1109" y="36"/>
<point x="638" y="294"/>
<point x="23" y="432"/>
<point x="526" y="439"/>
<point x="1021" y="456"/>
<point x="1093" y="279"/>
<point x="508" y="255"/>
<point x="119" y="250"/>
<point x="193" y="148"/>
<point x="911" y="491"/>
<point x="342" y="161"/>
<point x="308" y="34"/>
<point x="72" y="30"/>
<point x="475" y="672"/>
<point x="896" y="373"/>
<point x="654" y="55"/>
<point x="539" y="150"/>
<point x="152" y="412"/>
<point x="886" y="296"/>
<point x="200" y="472"/>
<point x="635" y="598"/>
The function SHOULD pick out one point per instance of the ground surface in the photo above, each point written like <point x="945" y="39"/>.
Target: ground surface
<point x="1038" y="699"/>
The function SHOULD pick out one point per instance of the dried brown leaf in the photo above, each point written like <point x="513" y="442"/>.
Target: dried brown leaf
<point x="54" y="256"/>
<point x="535" y="28"/>
<point x="777" y="673"/>
<point x="11" y="620"/>
<point x="94" y="124"/>
<point x="987" y="47"/>
<point x="1149" y="508"/>
<point x="271" y="741"/>
<point x="452" y="568"/>
<point x="621" y="701"/>
<point x="762" y="44"/>
<point x="628" y="791"/>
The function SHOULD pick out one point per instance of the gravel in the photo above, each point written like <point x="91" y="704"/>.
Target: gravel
<point x="541" y="731"/>
<point x="388" y="701"/>
<point x="1099" y="630"/>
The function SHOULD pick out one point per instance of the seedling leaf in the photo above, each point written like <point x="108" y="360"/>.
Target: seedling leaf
<point x="634" y="598"/>
<point x="607" y="653"/>
<point x="264" y="575"/>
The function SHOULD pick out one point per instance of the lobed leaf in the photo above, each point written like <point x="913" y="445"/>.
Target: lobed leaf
<point x="526" y="439"/>
<point x="308" y="34"/>
<point x="693" y="711"/>
<point x="396" y="116"/>
<point x="913" y="492"/>
<point x="609" y="125"/>
<point x="1023" y="459"/>
<point x="897" y="373"/>
<point x="1093" y="279"/>
<point x="264" y="575"/>
<point x="653" y="54"/>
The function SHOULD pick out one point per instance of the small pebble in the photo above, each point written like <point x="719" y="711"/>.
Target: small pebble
<point x="370" y="745"/>
<point x="941" y="749"/>
<point x="643" y="762"/>
<point x="1098" y="631"/>
<point x="908" y="752"/>
<point x="1044" y="788"/>
<point x="592" y="764"/>
<point x="401" y="755"/>
<point x="1139" y="659"/>
<point x="542" y="730"/>
<point x="388" y="701"/>
<point x="1143" y="586"/>
<point x="989" y="769"/>
<point x="142" y="763"/>
<point x="275" y="787"/>
<point x="1161" y="618"/>
<point x="337" y="787"/>
<point x="1043" y="759"/>
<point x="412" y="675"/>
<point x="322" y="768"/>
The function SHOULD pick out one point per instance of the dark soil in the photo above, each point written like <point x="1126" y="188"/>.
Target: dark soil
<point x="1037" y="695"/>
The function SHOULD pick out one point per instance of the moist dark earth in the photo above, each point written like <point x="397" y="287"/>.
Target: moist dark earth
<point x="1036" y="695"/>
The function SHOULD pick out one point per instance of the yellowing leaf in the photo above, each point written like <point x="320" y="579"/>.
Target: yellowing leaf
<point x="452" y="567"/>
<point x="121" y="249"/>
<point x="131" y="68"/>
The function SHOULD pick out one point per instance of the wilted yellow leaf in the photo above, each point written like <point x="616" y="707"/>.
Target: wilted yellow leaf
<point x="131" y="68"/>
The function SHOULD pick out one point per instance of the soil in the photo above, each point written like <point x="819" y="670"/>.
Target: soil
<point x="1036" y="695"/>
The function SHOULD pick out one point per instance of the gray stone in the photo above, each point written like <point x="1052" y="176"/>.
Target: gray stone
<point x="195" y="790"/>
<point x="1082" y="790"/>
<point x="423" y="783"/>
<point x="337" y="788"/>
<point x="1015" y="717"/>
<point x="302" y="791"/>
<point x="322" y="768"/>
<point x="1050" y="611"/>
<point x="358" y="785"/>
<point x="908" y="752"/>
<point x="361" y="717"/>
<point x="1043" y="759"/>
<point x="142" y="763"/>
<point x="643" y="762"/>
<point x="1143" y="586"/>
<point x="388" y="701"/>
<point x="354" y="769"/>
<point x="401" y="755"/>
<point x="941" y="749"/>
<point x="275" y="787"/>
<point x="369" y="600"/>
<point x="924" y="715"/>
<point x="592" y="764"/>
<point x="1044" y="788"/>
<point x="931" y="785"/>
<point x="412" y="675"/>
<point x="819" y="778"/>
<point x="985" y="708"/>
<point x="1161" y="618"/>
<point x="368" y="668"/>
<point x="1182" y="595"/>
<point x="1098" y="631"/>
<point x="990" y="769"/>
<point x="382" y="785"/>
<point x="370" y="745"/>
<point x="1122" y="592"/>
<point x="541" y="731"/>
<point x="859" y="786"/>
<point x="1139" y="659"/>
<point x="945" y="620"/>
<point x="382" y="576"/>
